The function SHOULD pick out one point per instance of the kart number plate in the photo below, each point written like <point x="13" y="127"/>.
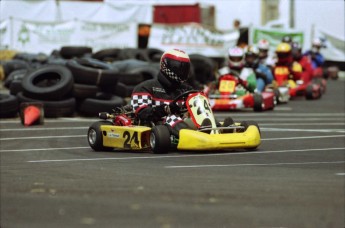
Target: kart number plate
<point x="227" y="86"/>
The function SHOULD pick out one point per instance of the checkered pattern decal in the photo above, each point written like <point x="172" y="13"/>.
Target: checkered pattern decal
<point x="172" y="120"/>
<point x="169" y="73"/>
<point x="139" y="100"/>
<point x="145" y="99"/>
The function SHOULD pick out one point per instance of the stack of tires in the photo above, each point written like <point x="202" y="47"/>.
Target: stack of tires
<point x="74" y="80"/>
<point x="94" y="83"/>
<point x="52" y="86"/>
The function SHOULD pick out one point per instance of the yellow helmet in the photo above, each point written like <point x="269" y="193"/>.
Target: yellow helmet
<point x="283" y="48"/>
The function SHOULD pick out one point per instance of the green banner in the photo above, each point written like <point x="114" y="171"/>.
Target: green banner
<point x="274" y="36"/>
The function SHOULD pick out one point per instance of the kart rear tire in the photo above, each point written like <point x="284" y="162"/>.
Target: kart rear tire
<point x="160" y="139"/>
<point x="258" y="100"/>
<point x="276" y="96"/>
<point x="310" y="94"/>
<point x="95" y="136"/>
<point x="227" y="122"/>
<point x="248" y="123"/>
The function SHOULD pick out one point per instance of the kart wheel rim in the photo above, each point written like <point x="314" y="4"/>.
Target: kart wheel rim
<point x="92" y="136"/>
<point x="152" y="140"/>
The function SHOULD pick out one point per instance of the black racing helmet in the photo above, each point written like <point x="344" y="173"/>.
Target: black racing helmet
<point x="175" y="65"/>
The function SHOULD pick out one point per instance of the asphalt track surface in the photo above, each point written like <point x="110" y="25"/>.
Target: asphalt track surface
<point x="51" y="178"/>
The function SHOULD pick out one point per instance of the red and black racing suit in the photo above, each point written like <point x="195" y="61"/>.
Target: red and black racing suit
<point x="150" y="97"/>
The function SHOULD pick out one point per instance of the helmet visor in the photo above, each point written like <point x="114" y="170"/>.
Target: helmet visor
<point x="179" y="68"/>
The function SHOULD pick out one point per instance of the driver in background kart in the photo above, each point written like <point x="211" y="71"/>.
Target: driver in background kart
<point x="316" y="57"/>
<point x="263" y="74"/>
<point x="285" y="59"/>
<point x="235" y="65"/>
<point x="152" y="99"/>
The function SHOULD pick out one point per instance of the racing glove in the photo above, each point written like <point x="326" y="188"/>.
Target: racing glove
<point x="172" y="108"/>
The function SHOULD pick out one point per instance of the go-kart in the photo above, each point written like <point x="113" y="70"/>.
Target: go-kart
<point x="121" y="130"/>
<point x="289" y="88"/>
<point x="232" y="94"/>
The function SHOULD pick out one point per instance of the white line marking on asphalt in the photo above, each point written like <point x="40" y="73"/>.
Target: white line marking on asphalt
<point x="283" y="108"/>
<point x="186" y="156"/>
<point x="44" y="129"/>
<point x="45" y="149"/>
<point x="258" y="164"/>
<point x="340" y="174"/>
<point x="305" y="137"/>
<point x="44" y="137"/>
<point x="304" y="130"/>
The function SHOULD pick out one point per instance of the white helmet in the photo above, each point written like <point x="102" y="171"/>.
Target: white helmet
<point x="236" y="57"/>
<point x="263" y="44"/>
<point x="317" y="42"/>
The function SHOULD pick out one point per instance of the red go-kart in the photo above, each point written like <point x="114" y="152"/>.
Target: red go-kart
<point x="231" y="93"/>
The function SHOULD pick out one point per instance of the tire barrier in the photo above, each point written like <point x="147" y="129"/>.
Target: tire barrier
<point x="69" y="52"/>
<point x="8" y="105"/>
<point x="48" y="83"/>
<point x="73" y="80"/>
<point x="107" y="55"/>
<point x="93" y="72"/>
<point x="13" y="65"/>
<point x="204" y="68"/>
<point x="93" y="106"/>
<point x="53" y="109"/>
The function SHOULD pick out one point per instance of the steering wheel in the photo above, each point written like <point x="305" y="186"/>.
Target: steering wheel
<point x="184" y="95"/>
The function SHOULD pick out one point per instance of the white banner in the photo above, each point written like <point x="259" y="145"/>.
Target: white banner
<point x="334" y="46"/>
<point x="192" y="38"/>
<point x="107" y="35"/>
<point x="4" y="34"/>
<point x="35" y="37"/>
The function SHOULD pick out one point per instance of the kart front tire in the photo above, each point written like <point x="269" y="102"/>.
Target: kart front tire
<point x="95" y="136"/>
<point x="160" y="139"/>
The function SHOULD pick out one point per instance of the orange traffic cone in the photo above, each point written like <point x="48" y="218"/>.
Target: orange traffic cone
<point x="31" y="115"/>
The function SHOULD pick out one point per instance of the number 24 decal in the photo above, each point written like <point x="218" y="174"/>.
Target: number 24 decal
<point x="129" y="139"/>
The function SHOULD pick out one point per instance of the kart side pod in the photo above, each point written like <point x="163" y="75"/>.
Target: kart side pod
<point x="193" y="140"/>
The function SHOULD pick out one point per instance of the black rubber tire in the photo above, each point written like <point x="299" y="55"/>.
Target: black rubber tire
<point x="95" y="136"/>
<point x="131" y="78"/>
<point x="123" y="90"/>
<point x="92" y="106"/>
<point x="15" y="75"/>
<point x="13" y="65"/>
<point x="48" y="83"/>
<point x="160" y="139"/>
<point x="153" y="54"/>
<point x="257" y="102"/>
<point x="107" y="55"/>
<point x="83" y="91"/>
<point x="84" y="73"/>
<point x="310" y="94"/>
<point x="147" y="72"/>
<point x="16" y="87"/>
<point x="53" y="109"/>
<point x="8" y="106"/>
<point x="248" y="123"/>
<point x="203" y="67"/>
<point x="227" y="122"/>
<point x="69" y="52"/>
<point x="134" y="53"/>
<point x="276" y="96"/>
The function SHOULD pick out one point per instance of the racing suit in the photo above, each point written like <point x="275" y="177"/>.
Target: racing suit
<point x="150" y="99"/>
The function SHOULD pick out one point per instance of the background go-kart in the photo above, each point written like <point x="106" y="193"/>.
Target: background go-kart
<point x="50" y="177"/>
